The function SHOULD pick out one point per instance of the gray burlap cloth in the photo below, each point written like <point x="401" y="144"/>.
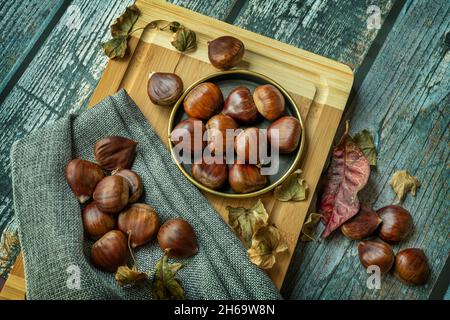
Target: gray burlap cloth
<point x="50" y="226"/>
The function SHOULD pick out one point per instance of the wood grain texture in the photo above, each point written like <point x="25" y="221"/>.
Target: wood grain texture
<point x="405" y="101"/>
<point x="334" y="29"/>
<point x="219" y="9"/>
<point x="18" y="28"/>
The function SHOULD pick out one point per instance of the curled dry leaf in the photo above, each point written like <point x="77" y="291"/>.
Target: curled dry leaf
<point x="309" y="227"/>
<point x="184" y="39"/>
<point x="364" y="140"/>
<point x="293" y="188"/>
<point x="348" y="173"/>
<point x="403" y="182"/>
<point x="123" y="24"/>
<point x="126" y="276"/>
<point x="245" y="222"/>
<point x="116" y="47"/>
<point x="164" y="285"/>
<point x="266" y="244"/>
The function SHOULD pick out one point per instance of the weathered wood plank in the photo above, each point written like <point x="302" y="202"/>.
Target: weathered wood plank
<point x="218" y="9"/>
<point x="335" y="29"/>
<point x="20" y="24"/>
<point x="405" y="100"/>
<point x="60" y="79"/>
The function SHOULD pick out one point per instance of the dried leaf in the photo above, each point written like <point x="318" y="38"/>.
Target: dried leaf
<point x="364" y="140"/>
<point x="293" y="188"/>
<point x="164" y="285"/>
<point x="184" y="39"/>
<point x="116" y="47"/>
<point x="174" y="26"/>
<point x="403" y="182"/>
<point x="126" y="276"/>
<point x="123" y="24"/>
<point x="348" y="173"/>
<point x="309" y="226"/>
<point x="246" y="222"/>
<point x="266" y="244"/>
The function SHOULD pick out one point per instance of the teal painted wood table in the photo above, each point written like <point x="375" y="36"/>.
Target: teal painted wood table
<point x="51" y="61"/>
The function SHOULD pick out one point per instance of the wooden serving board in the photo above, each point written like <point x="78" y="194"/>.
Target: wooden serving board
<point x="320" y="87"/>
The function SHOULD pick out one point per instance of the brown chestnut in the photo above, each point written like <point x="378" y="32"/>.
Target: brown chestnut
<point x="184" y="133"/>
<point x="244" y="178"/>
<point x="377" y="253"/>
<point x="269" y="101"/>
<point x="411" y="266"/>
<point x="362" y="225"/>
<point x="134" y="181"/>
<point x="178" y="236"/>
<point x="82" y="177"/>
<point x="225" y="52"/>
<point x="203" y="101"/>
<point x="240" y="106"/>
<point x="164" y="88"/>
<point x="247" y="145"/>
<point x="140" y="221"/>
<point x="95" y="222"/>
<point x="216" y="130"/>
<point x="115" y="152"/>
<point x="110" y="251"/>
<point x="289" y="133"/>
<point x="211" y="175"/>
<point x="111" y="194"/>
<point x="397" y="223"/>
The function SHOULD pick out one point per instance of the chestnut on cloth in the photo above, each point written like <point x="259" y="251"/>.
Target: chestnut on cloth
<point x="54" y="247"/>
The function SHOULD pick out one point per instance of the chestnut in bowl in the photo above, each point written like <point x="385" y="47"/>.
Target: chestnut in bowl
<point x="269" y="101"/>
<point x="289" y="133"/>
<point x="185" y="134"/>
<point x="240" y="106"/>
<point x="247" y="146"/>
<point x="216" y="131"/>
<point x="245" y="178"/>
<point x="204" y="101"/>
<point x="211" y="175"/>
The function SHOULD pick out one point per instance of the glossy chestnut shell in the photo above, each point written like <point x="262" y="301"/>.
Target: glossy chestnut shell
<point x="377" y="253"/>
<point x="134" y="181"/>
<point x="178" y="236"/>
<point x="225" y="52"/>
<point x="240" y="106"/>
<point x="363" y="225"/>
<point x="269" y="101"/>
<point x="216" y="131"/>
<point x="245" y="178"/>
<point x="248" y="146"/>
<point x="397" y="223"/>
<point x="110" y="251"/>
<point x="184" y="134"/>
<point x="82" y="177"/>
<point x="411" y="266"/>
<point x="164" y="88"/>
<point x="140" y="221"/>
<point x="115" y="152"/>
<point x="211" y="175"/>
<point x="203" y="101"/>
<point x="289" y="133"/>
<point x="95" y="222"/>
<point x="111" y="194"/>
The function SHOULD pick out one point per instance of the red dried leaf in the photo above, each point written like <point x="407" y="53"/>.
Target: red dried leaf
<point x="347" y="175"/>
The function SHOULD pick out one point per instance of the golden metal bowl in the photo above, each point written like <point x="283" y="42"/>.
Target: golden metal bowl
<point x="232" y="79"/>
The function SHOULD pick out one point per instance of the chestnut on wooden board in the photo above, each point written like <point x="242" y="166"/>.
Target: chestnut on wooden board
<point x="164" y="88"/>
<point x="203" y="101"/>
<point x="225" y="52"/>
<point x="411" y="266"/>
<point x="377" y="253"/>
<point x="240" y="106"/>
<point x="396" y="224"/>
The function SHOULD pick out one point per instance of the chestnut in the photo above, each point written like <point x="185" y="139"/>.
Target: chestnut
<point x="111" y="194"/>
<point x="164" y="88"/>
<point x="216" y="131"/>
<point x="247" y="145"/>
<point x="134" y="181"/>
<point x="411" y="266"/>
<point x="186" y="131"/>
<point x="203" y="101"/>
<point x="240" y="106"/>
<point x="82" y="177"/>
<point x="95" y="222"/>
<point x="178" y="236"/>
<point x="140" y="221"/>
<point x="362" y="225"/>
<point x="110" y="251"/>
<point x="376" y="253"/>
<point x="115" y="152"/>
<point x="269" y="101"/>
<point x="211" y="175"/>
<point x="289" y="133"/>
<point x="225" y="52"/>
<point x="397" y="223"/>
<point x="244" y="178"/>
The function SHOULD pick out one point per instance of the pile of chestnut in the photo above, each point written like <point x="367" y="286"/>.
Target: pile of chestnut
<point x="392" y="225"/>
<point x="114" y="218"/>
